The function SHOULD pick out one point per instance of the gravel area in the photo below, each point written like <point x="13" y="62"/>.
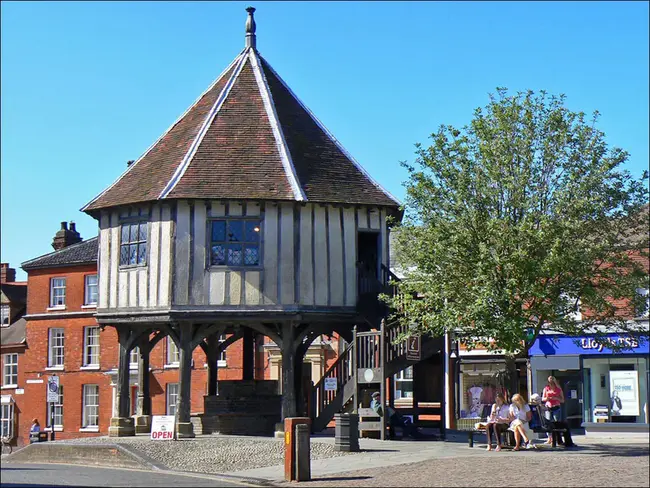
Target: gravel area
<point x="212" y="454"/>
<point x="584" y="467"/>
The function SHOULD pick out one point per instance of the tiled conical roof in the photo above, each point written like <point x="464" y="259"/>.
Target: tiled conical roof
<point x="247" y="137"/>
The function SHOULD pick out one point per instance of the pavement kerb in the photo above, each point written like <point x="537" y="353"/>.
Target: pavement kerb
<point x="239" y="480"/>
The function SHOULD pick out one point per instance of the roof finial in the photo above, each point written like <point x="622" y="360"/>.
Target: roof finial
<point x="250" y="28"/>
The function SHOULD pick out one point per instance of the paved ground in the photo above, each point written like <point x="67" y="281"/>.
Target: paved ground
<point x="596" y="462"/>
<point x="16" y="475"/>
<point x="584" y="467"/>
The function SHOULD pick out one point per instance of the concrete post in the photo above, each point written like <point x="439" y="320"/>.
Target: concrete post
<point x="290" y="444"/>
<point x="303" y="453"/>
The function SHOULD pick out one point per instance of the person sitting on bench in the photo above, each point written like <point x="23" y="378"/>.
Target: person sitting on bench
<point x="540" y="421"/>
<point x="394" y="419"/>
<point x="498" y="421"/>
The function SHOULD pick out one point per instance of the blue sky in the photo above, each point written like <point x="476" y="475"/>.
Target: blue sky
<point x="87" y="86"/>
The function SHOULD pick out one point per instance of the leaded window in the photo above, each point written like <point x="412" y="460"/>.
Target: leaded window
<point x="133" y="244"/>
<point x="235" y="242"/>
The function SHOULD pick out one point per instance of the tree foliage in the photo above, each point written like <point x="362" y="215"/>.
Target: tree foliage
<point x="513" y="219"/>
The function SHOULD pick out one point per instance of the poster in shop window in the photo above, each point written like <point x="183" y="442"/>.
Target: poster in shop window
<point x="624" y="386"/>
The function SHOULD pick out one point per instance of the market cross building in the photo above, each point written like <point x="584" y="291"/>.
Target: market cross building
<point x="245" y="217"/>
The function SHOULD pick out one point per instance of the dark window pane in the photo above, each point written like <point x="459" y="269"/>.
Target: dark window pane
<point x="142" y="252"/>
<point x="124" y="255"/>
<point x="235" y="231"/>
<point x="219" y="231"/>
<point x="218" y="254"/>
<point x="133" y="234"/>
<point x="252" y="231"/>
<point x="133" y="254"/>
<point x="234" y="255"/>
<point x="125" y="233"/>
<point x="143" y="232"/>
<point x="251" y="256"/>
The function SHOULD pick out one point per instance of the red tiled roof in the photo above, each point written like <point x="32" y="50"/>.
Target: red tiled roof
<point x="247" y="137"/>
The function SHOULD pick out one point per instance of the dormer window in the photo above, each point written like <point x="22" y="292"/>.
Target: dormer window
<point x="643" y="308"/>
<point x="133" y="244"/>
<point x="235" y="242"/>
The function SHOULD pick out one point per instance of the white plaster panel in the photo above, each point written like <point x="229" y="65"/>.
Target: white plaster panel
<point x="182" y="254"/>
<point x="306" y="277"/>
<point x="286" y="254"/>
<point x="349" y="236"/>
<point x="270" y="254"/>
<point x="320" y="255"/>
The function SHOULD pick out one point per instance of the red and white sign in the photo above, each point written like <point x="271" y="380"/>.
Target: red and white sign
<point x="162" y="427"/>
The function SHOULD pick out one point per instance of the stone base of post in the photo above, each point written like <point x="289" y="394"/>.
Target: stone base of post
<point x="143" y="424"/>
<point x="184" y="430"/>
<point x="121" y="427"/>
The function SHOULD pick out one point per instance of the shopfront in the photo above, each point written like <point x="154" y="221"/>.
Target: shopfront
<point x="479" y="376"/>
<point x="600" y="386"/>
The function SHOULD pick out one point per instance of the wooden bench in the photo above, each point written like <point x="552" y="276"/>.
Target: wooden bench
<point x="369" y="421"/>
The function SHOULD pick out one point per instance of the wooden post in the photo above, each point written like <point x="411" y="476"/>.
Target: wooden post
<point x="248" y="350"/>
<point x="355" y="370"/>
<point x="213" y="364"/>
<point x="289" y="404"/>
<point x="183" y="424"/>
<point x="123" y="403"/>
<point x="382" y="376"/>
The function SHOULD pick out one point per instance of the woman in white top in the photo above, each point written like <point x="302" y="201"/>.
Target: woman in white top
<point x="520" y="415"/>
<point x="499" y="418"/>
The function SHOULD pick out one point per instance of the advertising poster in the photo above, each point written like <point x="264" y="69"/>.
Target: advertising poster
<point x="624" y="393"/>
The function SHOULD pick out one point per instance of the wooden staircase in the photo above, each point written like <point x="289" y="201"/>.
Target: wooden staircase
<point x="371" y="358"/>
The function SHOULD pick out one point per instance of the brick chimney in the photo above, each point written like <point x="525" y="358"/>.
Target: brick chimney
<point x="7" y="274"/>
<point x="66" y="237"/>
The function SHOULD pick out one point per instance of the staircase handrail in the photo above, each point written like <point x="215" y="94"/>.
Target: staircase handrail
<point x="342" y="370"/>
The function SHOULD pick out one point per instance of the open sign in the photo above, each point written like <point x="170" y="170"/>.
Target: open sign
<point x="162" y="427"/>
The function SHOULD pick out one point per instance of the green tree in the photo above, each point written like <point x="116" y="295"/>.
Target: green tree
<point x="516" y="220"/>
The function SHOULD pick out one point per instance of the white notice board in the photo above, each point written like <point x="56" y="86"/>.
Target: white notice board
<point x="162" y="427"/>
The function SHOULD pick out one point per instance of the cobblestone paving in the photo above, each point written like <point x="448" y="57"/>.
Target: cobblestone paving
<point x="212" y="454"/>
<point x="593" y="465"/>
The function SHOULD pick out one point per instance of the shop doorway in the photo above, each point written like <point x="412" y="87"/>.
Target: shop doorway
<point x="572" y="407"/>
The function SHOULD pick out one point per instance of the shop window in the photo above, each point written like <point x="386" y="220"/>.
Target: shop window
<point x="404" y="383"/>
<point x="479" y="384"/>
